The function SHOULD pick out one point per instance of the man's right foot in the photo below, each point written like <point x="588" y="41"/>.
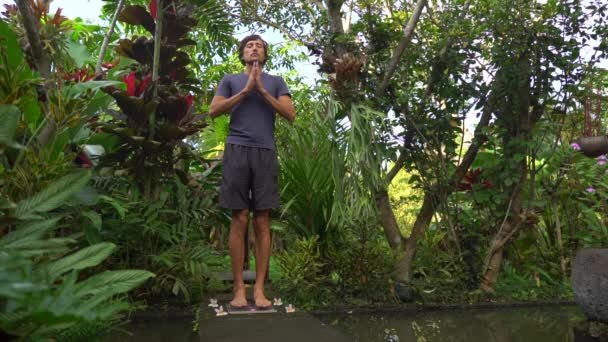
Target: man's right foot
<point x="240" y="299"/>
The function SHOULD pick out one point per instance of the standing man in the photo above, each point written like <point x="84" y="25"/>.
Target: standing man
<point x="250" y="168"/>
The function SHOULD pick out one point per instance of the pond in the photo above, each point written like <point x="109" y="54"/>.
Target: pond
<point x="549" y="323"/>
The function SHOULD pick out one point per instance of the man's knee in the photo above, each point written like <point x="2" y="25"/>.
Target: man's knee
<point x="261" y="221"/>
<point x="240" y="217"/>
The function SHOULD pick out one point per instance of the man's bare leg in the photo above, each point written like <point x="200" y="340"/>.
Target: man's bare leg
<point x="238" y="227"/>
<point x="261" y="224"/>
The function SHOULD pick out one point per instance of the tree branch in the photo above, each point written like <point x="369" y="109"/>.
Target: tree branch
<point x="395" y="169"/>
<point x="405" y="40"/>
<point x="106" y="39"/>
<point x="276" y="26"/>
<point x="320" y="5"/>
<point x="430" y="87"/>
<point x="479" y="138"/>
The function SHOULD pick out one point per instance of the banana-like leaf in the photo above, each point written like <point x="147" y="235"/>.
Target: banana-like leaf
<point x="112" y="282"/>
<point x="35" y="248"/>
<point x="86" y="257"/>
<point x="29" y="232"/>
<point x="53" y="195"/>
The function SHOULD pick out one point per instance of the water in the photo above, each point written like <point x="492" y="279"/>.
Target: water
<point x="497" y="325"/>
<point x="552" y="323"/>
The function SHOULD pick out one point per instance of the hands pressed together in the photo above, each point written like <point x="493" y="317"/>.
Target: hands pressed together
<point x="255" y="78"/>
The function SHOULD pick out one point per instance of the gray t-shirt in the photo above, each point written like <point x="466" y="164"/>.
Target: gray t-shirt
<point x="252" y="120"/>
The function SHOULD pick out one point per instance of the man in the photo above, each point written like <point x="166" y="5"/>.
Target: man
<point x="250" y="168"/>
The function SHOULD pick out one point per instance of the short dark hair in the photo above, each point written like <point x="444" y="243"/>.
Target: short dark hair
<point x="246" y="40"/>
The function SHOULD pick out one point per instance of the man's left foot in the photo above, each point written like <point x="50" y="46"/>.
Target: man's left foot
<point x="260" y="299"/>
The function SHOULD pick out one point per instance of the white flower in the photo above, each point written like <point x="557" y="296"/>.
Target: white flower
<point x="213" y="303"/>
<point x="220" y="311"/>
<point x="290" y="309"/>
<point x="277" y="302"/>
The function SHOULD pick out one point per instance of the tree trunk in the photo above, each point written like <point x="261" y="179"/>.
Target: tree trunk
<point x="518" y="121"/>
<point x="41" y="61"/>
<point x="423" y="219"/>
<point x="41" y="58"/>
<point x="507" y="229"/>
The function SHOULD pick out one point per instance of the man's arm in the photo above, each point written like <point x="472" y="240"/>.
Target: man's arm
<point x="282" y="105"/>
<point x="221" y="104"/>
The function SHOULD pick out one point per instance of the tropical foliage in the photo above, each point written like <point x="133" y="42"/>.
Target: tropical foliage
<point x="435" y="156"/>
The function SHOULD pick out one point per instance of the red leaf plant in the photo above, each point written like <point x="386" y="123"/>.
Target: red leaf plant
<point x="79" y="75"/>
<point x="473" y="177"/>
<point x="131" y="82"/>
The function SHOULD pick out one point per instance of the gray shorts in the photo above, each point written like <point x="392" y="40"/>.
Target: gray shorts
<point x="250" y="178"/>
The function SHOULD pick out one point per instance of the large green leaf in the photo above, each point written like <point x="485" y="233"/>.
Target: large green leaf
<point x="34" y="248"/>
<point x="84" y="258"/>
<point x="13" y="50"/>
<point x="79" y="53"/>
<point x="53" y="195"/>
<point x="118" y="281"/>
<point x="9" y="119"/>
<point x="29" y="232"/>
<point x="31" y="111"/>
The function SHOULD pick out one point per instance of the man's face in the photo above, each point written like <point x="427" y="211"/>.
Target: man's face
<point x="254" y="51"/>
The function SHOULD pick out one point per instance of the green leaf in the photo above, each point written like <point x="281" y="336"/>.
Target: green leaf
<point x="29" y="232"/>
<point x="53" y="195"/>
<point x="79" y="53"/>
<point x="86" y="257"/>
<point x="92" y="233"/>
<point x="34" y="248"/>
<point x="94" y="217"/>
<point x="13" y="50"/>
<point x="83" y="87"/>
<point x="9" y="120"/>
<point x="31" y="111"/>
<point x="119" y="282"/>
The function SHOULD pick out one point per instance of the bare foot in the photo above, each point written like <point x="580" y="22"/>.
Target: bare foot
<point x="260" y="299"/>
<point x="240" y="298"/>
